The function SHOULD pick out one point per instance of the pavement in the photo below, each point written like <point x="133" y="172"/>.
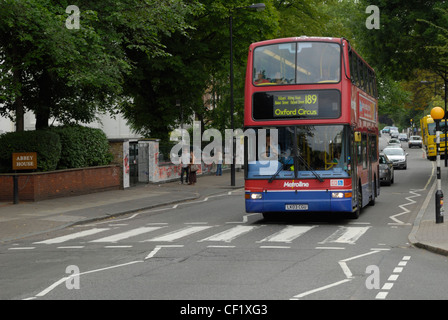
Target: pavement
<point x="33" y="218"/>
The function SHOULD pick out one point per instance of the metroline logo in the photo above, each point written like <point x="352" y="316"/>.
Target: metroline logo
<point x="296" y="184"/>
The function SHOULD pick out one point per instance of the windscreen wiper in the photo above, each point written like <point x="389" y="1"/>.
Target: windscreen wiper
<point x="298" y="156"/>
<point x="282" y="167"/>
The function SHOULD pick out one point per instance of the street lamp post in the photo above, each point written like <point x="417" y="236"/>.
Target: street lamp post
<point x="445" y="128"/>
<point x="254" y="7"/>
<point x="437" y="114"/>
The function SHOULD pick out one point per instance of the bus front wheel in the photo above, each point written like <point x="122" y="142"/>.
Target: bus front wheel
<point x="355" y="214"/>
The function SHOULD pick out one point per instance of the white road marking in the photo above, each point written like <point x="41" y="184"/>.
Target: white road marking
<point x="175" y="235"/>
<point x="245" y="218"/>
<point x="73" y="236"/>
<point x="117" y="247"/>
<point x="347" y="235"/>
<point x="287" y="234"/>
<point x="127" y="234"/>
<point x="71" y="247"/>
<point x="275" y="247"/>
<point x="301" y="295"/>
<point x="405" y="210"/>
<point x="345" y="269"/>
<point x="230" y="234"/>
<point x="211" y="246"/>
<point x="393" y="277"/>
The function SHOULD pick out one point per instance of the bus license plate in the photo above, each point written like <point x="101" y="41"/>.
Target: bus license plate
<point x="297" y="207"/>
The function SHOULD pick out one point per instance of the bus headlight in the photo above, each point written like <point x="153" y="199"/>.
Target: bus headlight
<point x="256" y="196"/>
<point x="337" y="195"/>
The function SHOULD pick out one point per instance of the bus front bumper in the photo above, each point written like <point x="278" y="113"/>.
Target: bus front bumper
<point x="309" y="201"/>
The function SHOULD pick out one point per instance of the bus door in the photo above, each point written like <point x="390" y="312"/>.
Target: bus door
<point x="369" y="157"/>
<point x="367" y="165"/>
<point x="356" y="155"/>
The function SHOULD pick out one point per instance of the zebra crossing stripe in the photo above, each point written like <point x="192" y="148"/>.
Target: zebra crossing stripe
<point x="127" y="234"/>
<point x="347" y="235"/>
<point x="288" y="234"/>
<point x="230" y="234"/>
<point x="175" y="235"/>
<point x="344" y="235"/>
<point x="73" y="236"/>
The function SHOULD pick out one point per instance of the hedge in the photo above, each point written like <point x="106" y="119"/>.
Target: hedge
<point x="82" y="147"/>
<point x="47" y="145"/>
<point x="64" y="147"/>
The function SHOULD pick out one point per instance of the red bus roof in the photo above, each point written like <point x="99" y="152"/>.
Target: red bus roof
<point x="306" y="38"/>
<point x="294" y="39"/>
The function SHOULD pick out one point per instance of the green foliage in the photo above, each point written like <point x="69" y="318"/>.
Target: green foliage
<point x="69" y="74"/>
<point x="82" y="147"/>
<point x="198" y="62"/>
<point x="57" y="147"/>
<point x="139" y="57"/>
<point x="404" y="41"/>
<point x="46" y="144"/>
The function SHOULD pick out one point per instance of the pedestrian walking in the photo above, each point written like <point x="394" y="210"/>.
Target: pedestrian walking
<point x="185" y="167"/>
<point x="193" y="169"/>
<point x="219" y="164"/>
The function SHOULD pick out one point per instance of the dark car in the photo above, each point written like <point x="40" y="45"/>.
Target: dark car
<point x="415" y="141"/>
<point x="386" y="170"/>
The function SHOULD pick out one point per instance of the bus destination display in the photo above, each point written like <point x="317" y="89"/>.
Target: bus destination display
<point x="293" y="105"/>
<point x="300" y="104"/>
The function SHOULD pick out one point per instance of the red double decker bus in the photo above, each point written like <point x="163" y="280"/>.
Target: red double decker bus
<point x="311" y="103"/>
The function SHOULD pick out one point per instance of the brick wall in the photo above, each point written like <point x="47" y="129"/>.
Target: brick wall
<point x="62" y="183"/>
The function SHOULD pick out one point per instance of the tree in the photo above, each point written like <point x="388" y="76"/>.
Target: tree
<point x="407" y="47"/>
<point x="71" y="73"/>
<point x="403" y="42"/>
<point x="198" y="62"/>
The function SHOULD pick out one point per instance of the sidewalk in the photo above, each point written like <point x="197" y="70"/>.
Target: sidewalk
<point x="31" y="218"/>
<point x="426" y="233"/>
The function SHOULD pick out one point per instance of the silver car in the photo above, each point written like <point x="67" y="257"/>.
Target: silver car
<point x="415" y="141"/>
<point x="397" y="156"/>
<point x="394" y="133"/>
<point x="386" y="170"/>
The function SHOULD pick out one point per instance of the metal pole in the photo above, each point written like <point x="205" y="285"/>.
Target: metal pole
<point x="15" y="189"/>
<point x="232" y="165"/>
<point x="445" y="129"/>
<point x="439" y="193"/>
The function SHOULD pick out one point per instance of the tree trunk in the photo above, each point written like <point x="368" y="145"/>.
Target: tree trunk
<point x="20" y="114"/>
<point x="18" y="103"/>
<point x="42" y="111"/>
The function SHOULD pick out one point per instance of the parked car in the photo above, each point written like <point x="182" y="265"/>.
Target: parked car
<point x="415" y="141"/>
<point x="394" y="143"/>
<point x="386" y="170"/>
<point x="402" y="137"/>
<point x="397" y="156"/>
